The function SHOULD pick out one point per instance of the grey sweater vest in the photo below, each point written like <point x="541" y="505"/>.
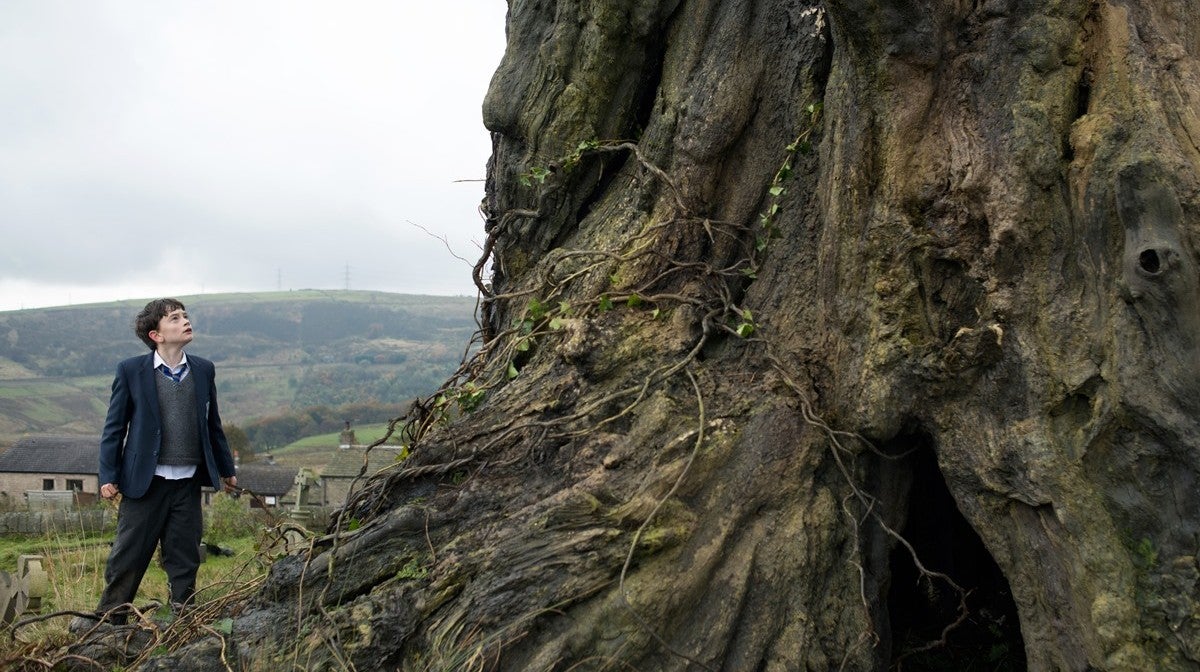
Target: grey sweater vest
<point x="180" y="435"/>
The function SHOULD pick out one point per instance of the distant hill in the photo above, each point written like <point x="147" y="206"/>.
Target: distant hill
<point x="276" y="351"/>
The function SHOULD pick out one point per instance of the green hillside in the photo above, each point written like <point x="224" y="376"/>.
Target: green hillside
<point x="276" y="352"/>
<point x="314" y="452"/>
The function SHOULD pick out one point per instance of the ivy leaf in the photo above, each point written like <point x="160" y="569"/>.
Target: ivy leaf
<point x="224" y="626"/>
<point x="633" y="301"/>
<point x="745" y="329"/>
<point x="776" y="190"/>
<point x="512" y="371"/>
<point x="605" y="304"/>
<point x="655" y="313"/>
<point x="537" y="309"/>
<point x="557" y="323"/>
<point x="523" y="345"/>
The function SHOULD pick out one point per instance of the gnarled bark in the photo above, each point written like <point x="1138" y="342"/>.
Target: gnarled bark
<point x="742" y="393"/>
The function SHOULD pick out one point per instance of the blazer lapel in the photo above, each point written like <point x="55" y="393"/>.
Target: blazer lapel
<point x="150" y="388"/>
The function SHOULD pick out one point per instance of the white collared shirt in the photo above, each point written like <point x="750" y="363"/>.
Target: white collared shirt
<point x="173" y="472"/>
<point x="159" y="361"/>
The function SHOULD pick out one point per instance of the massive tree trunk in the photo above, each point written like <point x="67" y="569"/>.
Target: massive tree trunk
<point x="845" y="336"/>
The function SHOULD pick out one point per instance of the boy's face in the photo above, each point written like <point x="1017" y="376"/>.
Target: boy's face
<point x="174" y="329"/>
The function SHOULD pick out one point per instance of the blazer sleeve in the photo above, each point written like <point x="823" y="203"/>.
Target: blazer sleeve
<point x="116" y="424"/>
<point x="220" y="445"/>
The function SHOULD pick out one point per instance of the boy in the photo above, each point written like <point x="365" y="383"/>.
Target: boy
<point x="162" y="441"/>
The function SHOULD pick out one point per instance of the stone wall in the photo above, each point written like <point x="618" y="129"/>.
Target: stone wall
<point x="44" y="522"/>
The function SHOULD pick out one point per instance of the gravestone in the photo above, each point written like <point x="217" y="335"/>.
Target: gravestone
<point x="22" y="592"/>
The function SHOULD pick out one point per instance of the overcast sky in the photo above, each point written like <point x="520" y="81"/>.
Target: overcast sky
<point x="172" y="147"/>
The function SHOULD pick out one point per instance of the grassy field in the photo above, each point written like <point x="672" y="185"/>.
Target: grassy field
<point x="74" y="564"/>
<point x="365" y="434"/>
<point x="314" y="452"/>
<point x="69" y="406"/>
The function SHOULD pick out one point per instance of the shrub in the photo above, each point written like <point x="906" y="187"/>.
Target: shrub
<point x="228" y="518"/>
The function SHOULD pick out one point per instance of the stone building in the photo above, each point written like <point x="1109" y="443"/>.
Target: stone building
<point x="269" y="482"/>
<point x="50" y="464"/>
<point x="347" y="464"/>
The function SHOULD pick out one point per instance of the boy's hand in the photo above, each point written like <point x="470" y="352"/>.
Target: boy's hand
<point x="230" y="483"/>
<point x="109" y="490"/>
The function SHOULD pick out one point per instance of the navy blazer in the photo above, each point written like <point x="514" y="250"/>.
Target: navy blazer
<point x="132" y="434"/>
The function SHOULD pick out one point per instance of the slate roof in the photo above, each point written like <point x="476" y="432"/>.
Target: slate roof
<point x="347" y="462"/>
<point x="266" y="479"/>
<point x="53" y="455"/>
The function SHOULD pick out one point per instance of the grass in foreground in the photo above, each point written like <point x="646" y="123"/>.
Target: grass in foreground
<point x="74" y="565"/>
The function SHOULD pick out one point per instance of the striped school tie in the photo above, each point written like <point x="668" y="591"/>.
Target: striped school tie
<point x="177" y="377"/>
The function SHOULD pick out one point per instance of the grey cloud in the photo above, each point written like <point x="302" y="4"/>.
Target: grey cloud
<point x="230" y="144"/>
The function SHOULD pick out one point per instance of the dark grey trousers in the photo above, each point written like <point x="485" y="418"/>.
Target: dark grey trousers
<point x="169" y="514"/>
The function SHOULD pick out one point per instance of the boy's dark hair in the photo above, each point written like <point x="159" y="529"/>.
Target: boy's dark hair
<point x="147" y="320"/>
